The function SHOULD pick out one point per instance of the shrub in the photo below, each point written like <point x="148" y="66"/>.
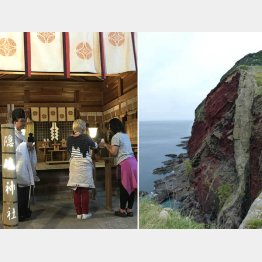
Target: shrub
<point x="149" y="217"/>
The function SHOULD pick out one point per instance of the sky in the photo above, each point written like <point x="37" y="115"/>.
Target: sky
<point x="177" y="70"/>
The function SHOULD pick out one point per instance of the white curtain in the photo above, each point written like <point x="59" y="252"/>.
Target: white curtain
<point x="47" y="52"/>
<point x="12" y="51"/>
<point x="119" y="53"/>
<point x="84" y="52"/>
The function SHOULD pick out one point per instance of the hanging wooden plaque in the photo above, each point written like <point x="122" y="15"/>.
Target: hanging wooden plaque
<point x="44" y="114"/>
<point x="70" y="113"/>
<point x="61" y="114"/>
<point x="35" y="114"/>
<point x="52" y="114"/>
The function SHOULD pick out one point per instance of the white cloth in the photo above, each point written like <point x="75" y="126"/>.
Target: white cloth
<point x="119" y="54"/>
<point x="12" y="51"/>
<point x="25" y="162"/>
<point x="81" y="173"/>
<point x="47" y="52"/>
<point x="84" y="52"/>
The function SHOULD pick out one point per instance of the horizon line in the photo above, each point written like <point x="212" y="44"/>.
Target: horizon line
<point x="147" y="120"/>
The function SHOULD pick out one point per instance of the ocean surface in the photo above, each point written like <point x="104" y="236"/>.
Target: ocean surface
<point x="156" y="139"/>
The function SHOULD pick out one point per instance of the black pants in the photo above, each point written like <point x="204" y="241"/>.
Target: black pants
<point x="126" y="200"/>
<point x="23" y="200"/>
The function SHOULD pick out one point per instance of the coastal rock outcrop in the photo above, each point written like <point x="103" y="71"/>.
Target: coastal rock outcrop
<point x="221" y="176"/>
<point x="253" y="219"/>
<point x="226" y="144"/>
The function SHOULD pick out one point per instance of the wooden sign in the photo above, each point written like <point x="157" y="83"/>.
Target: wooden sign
<point x="35" y="114"/>
<point x="44" y="114"/>
<point x="9" y="181"/>
<point x="70" y="113"/>
<point x="52" y="114"/>
<point x="61" y="114"/>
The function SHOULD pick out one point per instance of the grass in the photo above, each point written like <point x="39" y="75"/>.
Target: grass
<point x="149" y="218"/>
<point x="258" y="91"/>
<point x="200" y="112"/>
<point x="188" y="166"/>
<point x="258" y="77"/>
<point x="254" y="224"/>
<point x="223" y="192"/>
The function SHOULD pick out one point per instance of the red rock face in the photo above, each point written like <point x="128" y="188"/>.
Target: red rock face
<point x="217" y="104"/>
<point x="213" y="135"/>
<point x="203" y="179"/>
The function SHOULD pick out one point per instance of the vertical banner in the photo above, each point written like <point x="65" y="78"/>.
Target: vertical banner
<point x="119" y="53"/>
<point x="70" y="113"/>
<point x="12" y="51"/>
<point x="61" y="114"/>
<point x="44" y="114"/>
<point x="47" y="52"/>
<point x="52" y="114"/>
<point x="84" y="52"/>
<point x="35" y="114"/>
<point x="9" y="181"/>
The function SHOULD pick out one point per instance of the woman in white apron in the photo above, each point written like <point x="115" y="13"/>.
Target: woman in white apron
<point x="80" y="168"/>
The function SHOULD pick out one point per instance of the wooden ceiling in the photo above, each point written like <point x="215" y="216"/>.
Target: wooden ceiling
<point x="16" y="76"/>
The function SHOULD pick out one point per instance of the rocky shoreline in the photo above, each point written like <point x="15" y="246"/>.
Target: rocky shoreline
<point x="175" y="184"/>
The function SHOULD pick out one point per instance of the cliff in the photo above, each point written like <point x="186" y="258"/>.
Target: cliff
<point x="224" y="150"/>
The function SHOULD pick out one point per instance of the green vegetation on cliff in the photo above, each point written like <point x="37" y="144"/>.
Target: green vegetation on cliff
<point x="254" y="224"/>
<point x="254" y="59"/>
<point x="153" y="216"/>
<point x="188" y="167"/>
<point x="223" y="192"/>
<point x="200" y="112"/>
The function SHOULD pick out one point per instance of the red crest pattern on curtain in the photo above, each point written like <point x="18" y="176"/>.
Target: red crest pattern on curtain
<point x="97" y="53"/>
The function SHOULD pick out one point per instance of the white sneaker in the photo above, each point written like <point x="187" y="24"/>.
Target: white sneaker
<point x="79" y="216"/>
<point x="86" y="216"/>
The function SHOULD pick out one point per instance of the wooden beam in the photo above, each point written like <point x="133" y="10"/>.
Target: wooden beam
<point x="57" y="74"/>
<point x="53" y="104"/>
<point x="121" y="99"/>
<point x="120" y="87"/>
<point x="27" y="96"/>
<point x="85" y="108"/>
<point x="55" y="84"/>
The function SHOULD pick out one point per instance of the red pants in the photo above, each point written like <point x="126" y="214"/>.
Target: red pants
<point x="81" y="200"/>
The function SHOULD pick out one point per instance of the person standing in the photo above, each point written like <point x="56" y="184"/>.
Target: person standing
<point x="25" y="165"/>
<point x="126" y="166"/>
<point x="80" y="168"/>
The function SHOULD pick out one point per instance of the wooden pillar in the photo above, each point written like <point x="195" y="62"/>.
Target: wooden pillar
<point x="10" y="206"/>
<point x="10" y="108"/>
<point x="108" y="181"/>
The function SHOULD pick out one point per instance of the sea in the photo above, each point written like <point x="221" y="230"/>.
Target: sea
<point x="157" y="139"/>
